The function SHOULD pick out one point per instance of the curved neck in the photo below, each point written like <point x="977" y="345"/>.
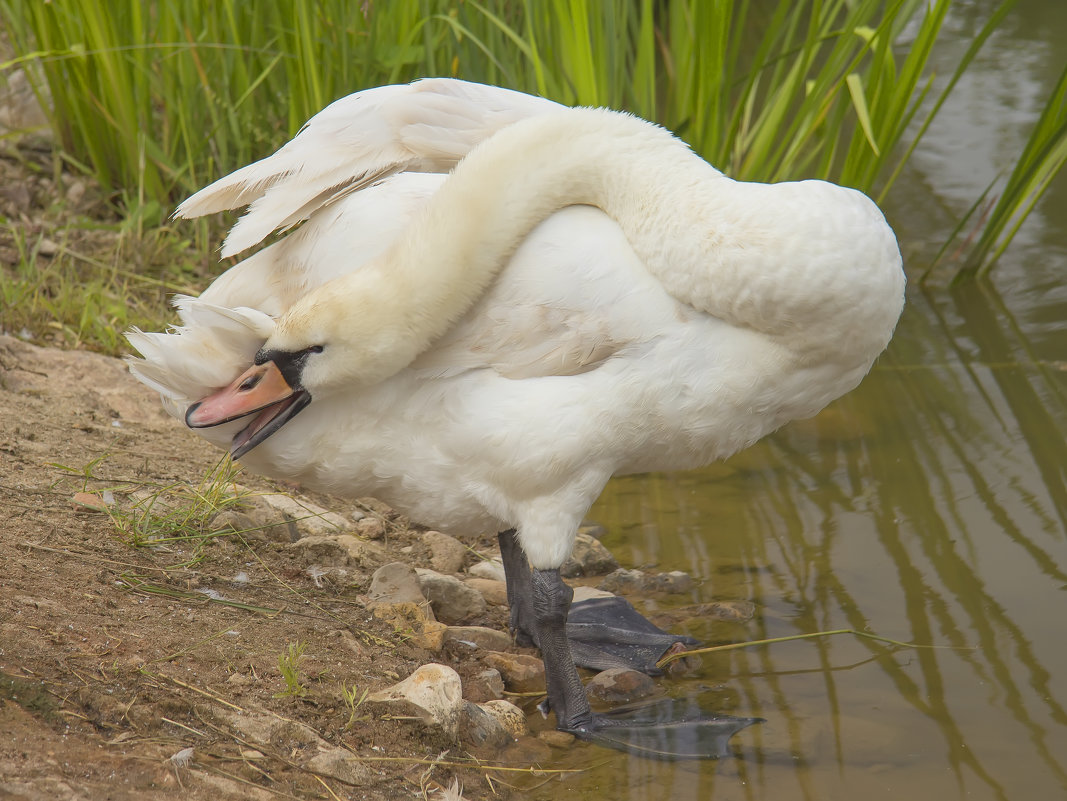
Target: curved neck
<point x="723" y="247"/>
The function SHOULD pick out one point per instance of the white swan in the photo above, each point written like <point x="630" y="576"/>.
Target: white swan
<point x="581" y="297"/>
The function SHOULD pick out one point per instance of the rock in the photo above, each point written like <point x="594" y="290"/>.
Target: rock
<point x="491" y="569"/>
<point x="674" y="582"/>
<point x="594" y="530"/>
<point x="349" y="641"/>
<point x="623" y="581"/>
<point x="527" y="751"/>
<point x="556" y="738"/>
<point x="488" y="685"/>
<point x="583" y="593"/>
<point x="479" y="636"/>
<point x="481" y="728"/>
<point x="370" y="528"/>
<point x="452" y="601"/>
<point x="521" y="673"/>
<point x="494" y="592"/>
<point x="619" y="685"/>
<point x="433" y="694"/>
<point x="447" y="554"/>
<point x="75" y="192"/>
<point x="342" y="765"/>
<point x="429" y="635"/>
<point x="88" y="501"/>
<point x="273" y="733"/>
<point x="629" y="582"/>
<point x="510" y="716"/>
<point x="340" y="549"/>
<point x="21" y="101"/>
<point x="589" y="558"/>
<point x="235" y="521"/>
<point x="394" y="583"/>
<point x="733" y="611"/>
<point x="285" y="519"/>
<point x="395" y="597"/>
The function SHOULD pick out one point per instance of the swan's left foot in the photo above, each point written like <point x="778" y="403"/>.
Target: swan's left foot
<point x="666" y="730"/>
<point x="604" y="633"/>
<point x="608" y="632"/>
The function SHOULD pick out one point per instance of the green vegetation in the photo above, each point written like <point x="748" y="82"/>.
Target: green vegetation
<point x="154" y="100"/>
<point x="354" y="699"/>
<point x="177" y="516"/>
<point x="289" y="665"/>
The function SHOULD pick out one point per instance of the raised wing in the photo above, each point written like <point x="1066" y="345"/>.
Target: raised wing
<point x="426" y="126"/>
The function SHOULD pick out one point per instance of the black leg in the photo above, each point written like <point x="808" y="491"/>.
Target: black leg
<point x="566" y="695"/>
<point x="520" y="591"/>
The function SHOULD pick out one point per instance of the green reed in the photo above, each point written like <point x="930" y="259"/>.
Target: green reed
<point x="157" y="99"/>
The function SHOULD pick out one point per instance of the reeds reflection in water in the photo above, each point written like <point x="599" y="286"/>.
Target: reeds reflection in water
<point x="930" y="506"/>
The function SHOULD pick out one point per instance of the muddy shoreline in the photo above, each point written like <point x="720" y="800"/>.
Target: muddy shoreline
<point x="116" y="658"/>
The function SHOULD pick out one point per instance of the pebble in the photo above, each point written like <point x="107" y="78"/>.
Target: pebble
<point x="556" y="738"/>
<point x="394" y="583"/>
<point x="495" y="592"/>
<point x="447" y="554"/>
<point x="479" y="636"/>
<point x="370" y="528"/>
<point x="627" y="582"/>
<point x="453" y="601"/>
<point x="342" y="549"/>
<point x="395" y="597"/>
<point x="342" y="765"/>
<point x="489" y="569"/>
<point x="583" y="593"/>
<point x="433" y="693"/>
<point x="488" y="685"/>
<point x="521" y="673"/>
<point x="510" y="716"/>
<point x="620" y="685"/>
<point x="480" y="728"/>
<point x="75" y="192"/>
<point x="589" y="558"/>
<point x="294" y="519"/>
<point x="88" y="501"/>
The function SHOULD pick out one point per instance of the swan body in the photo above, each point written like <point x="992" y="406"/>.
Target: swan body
<point x="495" y="303"/>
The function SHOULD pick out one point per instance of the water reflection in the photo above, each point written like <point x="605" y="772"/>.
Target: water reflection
<point x="929" y="506"/>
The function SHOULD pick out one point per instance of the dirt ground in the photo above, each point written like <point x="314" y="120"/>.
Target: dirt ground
<point x="117" y="658"/>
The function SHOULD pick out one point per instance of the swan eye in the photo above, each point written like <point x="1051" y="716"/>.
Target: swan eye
<point x="315" y="349"/>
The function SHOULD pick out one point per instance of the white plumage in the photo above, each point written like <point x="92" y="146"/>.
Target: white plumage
<point x="494" y="352"/>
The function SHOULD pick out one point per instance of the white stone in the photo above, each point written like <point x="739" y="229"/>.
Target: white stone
<point x="509" y="715"/>
<point x="433" y="692"/>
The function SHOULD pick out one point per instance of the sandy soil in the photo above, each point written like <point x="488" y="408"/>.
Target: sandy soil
<point x="114" y="661"/>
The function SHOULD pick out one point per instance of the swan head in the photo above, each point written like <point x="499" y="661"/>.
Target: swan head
<point x="316" y="349"/>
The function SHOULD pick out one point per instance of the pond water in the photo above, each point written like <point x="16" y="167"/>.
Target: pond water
<point x="928" y="506"/>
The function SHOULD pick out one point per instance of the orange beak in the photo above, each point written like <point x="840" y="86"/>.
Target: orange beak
<point x="262" y="389"/>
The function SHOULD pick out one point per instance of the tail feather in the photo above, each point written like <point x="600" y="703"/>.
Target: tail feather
<point x="209" y="350"/>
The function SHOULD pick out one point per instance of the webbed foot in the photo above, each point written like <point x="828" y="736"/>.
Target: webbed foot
<point x="667" y="729"/>
<point x="606" y="632"/>
<point x="603" y="633"/>
<point x="609" y="632"/>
